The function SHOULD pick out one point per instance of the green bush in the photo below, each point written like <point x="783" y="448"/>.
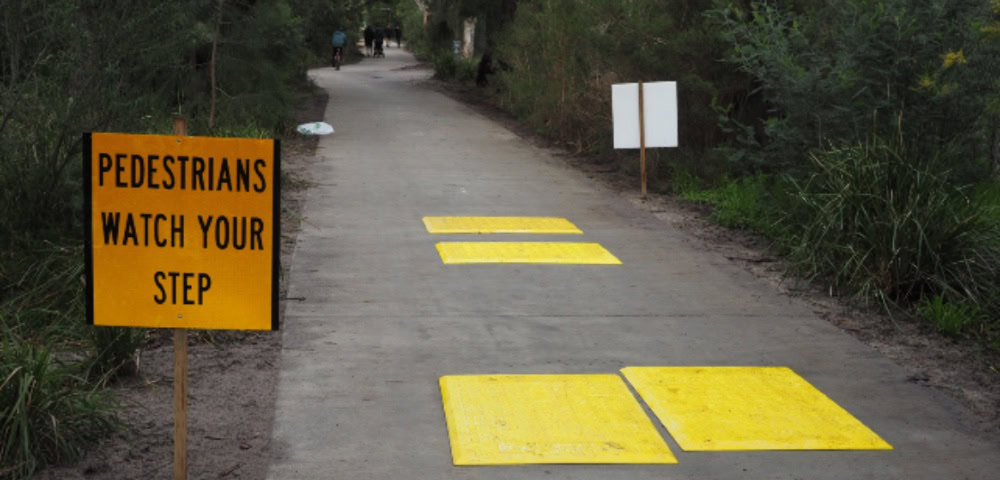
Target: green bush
<point x="880" y="221"/>
<point x="885" y="221"/>
<point x="952" y="319"/>
<point x="445" y="65"/>
<point x="465" y="70"/>
<point x="832" y="72"/>
<point x="448" y="67"/>
<point x="744" y="203"/>
<point x="741" y="204"/>
<point x="684" y="184"/>
<point x="882" y="118"/>
<point x="48" y="411"/>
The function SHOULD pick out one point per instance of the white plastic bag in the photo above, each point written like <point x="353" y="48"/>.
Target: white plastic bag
<point x="315" y="128"/>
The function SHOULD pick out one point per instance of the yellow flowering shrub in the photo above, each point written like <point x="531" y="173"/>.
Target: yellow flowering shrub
<point x="953" y="58"/>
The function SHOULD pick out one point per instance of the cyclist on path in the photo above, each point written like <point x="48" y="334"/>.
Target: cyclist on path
<point x="338" y="40"/>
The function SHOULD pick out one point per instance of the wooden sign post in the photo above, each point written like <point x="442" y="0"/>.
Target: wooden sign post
<point x="181" y="232"/>
<point x="644" y="115"/>
<point x="180" y="404"/>
<point x="180" y="373"/>
<point x="642" y="141"/>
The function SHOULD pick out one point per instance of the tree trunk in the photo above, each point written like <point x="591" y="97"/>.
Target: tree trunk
<point x="422" y="5"/>
<point x="469" y="38"/>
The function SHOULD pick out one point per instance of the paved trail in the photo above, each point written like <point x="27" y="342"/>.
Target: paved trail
<point x="378" y="318"/>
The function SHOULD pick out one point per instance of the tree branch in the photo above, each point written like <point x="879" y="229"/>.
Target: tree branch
<point x="215" y="49"/>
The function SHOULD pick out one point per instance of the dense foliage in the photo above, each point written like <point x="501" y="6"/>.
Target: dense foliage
<point x="865" y="67"/>
<point x="128" y="66"/>
<point x="882" y="120"/>
<point x="231" y="67"/>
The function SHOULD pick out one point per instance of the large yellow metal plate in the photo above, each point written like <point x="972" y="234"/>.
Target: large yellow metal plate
<point x="522" y="419"/>
<point x="526" y="252"/>
<point x="748" y="408"/>
<point x="535" y="225"/>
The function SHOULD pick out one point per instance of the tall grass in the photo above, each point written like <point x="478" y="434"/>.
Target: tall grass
<point x="116" y="352"/>
<point x="42" y="293"/>
<point x="988" y="196"/>
<point x="882" y="222"/>
<point x="51" y="363"/>
<point x="887" y="223"/>
<point x="48" y="410"/>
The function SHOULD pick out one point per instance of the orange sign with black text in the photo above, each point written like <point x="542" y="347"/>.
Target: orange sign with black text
<point x="182" y="232"/>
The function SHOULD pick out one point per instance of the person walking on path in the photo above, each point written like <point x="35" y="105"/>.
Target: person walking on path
<point x="388" y="34"/>
<point x="399" y="34"/>
<point x="379" y="38"/>
<point x="369" y="40"/>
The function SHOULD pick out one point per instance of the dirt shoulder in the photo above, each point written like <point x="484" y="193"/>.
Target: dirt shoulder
<point x="962" y="370"/>
<point x="232" y="377"/>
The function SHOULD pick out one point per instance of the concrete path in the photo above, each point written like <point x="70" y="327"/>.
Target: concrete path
<point x="378" y="318"/>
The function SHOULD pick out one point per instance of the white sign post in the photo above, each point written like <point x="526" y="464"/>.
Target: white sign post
<point x="644" y="115"/>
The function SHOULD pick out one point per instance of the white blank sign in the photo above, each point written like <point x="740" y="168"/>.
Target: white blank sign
<point x="660" y="108"/>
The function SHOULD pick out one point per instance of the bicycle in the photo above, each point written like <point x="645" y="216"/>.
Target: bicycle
<point x="337" y="52"/>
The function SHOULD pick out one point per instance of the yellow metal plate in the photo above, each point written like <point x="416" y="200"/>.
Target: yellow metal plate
<point x="545" y="419"/>
<point x="526" y="252"/>
<point x="748" y="408"/>
<point x="537" y="225"/>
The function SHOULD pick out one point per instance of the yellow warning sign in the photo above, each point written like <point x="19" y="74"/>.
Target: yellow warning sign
<point x="748" y="408"/>
<point x="182" y="232"/>
<point x="539" y="419"/>
<point x="532" y="225"/>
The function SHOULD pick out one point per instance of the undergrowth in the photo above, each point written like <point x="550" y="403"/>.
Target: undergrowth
<point x="950" y="318"/>
<point x="461" y="70"/>
<point x="49" y="411"/>
<point x="53" y="366"/>
<point x="888" y="223"/>
<point x="882" y="223"/>
<point x="737" y="203"/>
